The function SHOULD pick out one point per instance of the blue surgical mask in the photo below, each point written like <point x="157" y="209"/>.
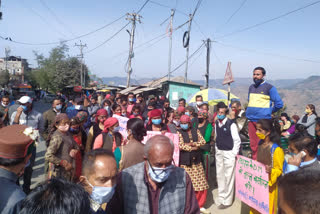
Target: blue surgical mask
<point x="116" y="129"/>
<point x="159" y="175"/>
<point x="221" y="117"/>
<point x="184" y="126"/>
<point x="156" y="121"/>
<point x="135" y="114"/>
<point x="187" y="113"/>
<point x="102" y="195"/>
<point x="25" y="108"/>
<point x="59" y="107"/>
<point x="132" y="99"/>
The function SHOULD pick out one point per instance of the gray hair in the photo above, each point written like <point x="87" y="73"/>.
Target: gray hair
<point x="158" y="139"/>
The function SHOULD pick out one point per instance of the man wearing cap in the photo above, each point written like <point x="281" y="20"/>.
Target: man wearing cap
<point x="15" y="151"/>
<point x="26" y="115"/>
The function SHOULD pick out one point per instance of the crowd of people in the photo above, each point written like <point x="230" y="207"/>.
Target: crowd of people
<point x="92" y="166"/>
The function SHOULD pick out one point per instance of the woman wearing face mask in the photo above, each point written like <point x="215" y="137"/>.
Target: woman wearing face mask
<point x="155" y="122"/>
<point x="309" y="119"/>
<point x="110" y="138"/>
<point x="62" y="149"/>
<point x="106" y="104"/>
<point x="133" y="152"/>
<point x="116" y="109"/>
<point x="190" y="111"/>
<point x="79" y="136"/>
<point x="205" y="129"/>
<point x="169" y="121"/>
<point x="190" y="158"/>
<point x="136" y="112"/>
<point x="271" y="155"/>
<point x="97" y="128"/>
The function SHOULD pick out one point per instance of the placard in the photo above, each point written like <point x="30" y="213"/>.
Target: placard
<point x="173" y="137"/>
<point x="252" y="184"/>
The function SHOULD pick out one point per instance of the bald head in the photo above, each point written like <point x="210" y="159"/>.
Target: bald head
<point x="159" y="151"/>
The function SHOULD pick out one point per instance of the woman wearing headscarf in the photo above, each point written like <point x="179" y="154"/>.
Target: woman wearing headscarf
<point x="155" y="121"/>
<point x="83" y="117"/>
<point x="62" y="149"/>
<point x="309" y="119"/>
<point x="190" y="141"/>
<point x="205" y="129"/>
<point x="110" y="138"/>
<point x="97" y="128"/>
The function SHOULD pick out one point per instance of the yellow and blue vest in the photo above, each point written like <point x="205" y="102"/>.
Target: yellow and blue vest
<point x="263" y="101"/>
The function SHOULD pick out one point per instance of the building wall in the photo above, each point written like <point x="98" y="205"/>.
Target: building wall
<point x="177" y="91"/>
<point x="14" y="67"/>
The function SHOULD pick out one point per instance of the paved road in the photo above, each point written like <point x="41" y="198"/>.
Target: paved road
<point x="38" y="176"/>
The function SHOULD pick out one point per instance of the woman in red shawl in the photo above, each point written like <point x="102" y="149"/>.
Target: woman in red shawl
<point x="96" y="129"/>
<point x="155" y="122"/>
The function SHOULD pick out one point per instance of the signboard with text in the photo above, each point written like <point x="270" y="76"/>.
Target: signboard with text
<point x="252" y="184"/>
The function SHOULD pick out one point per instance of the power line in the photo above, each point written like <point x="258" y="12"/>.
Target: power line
<point x="42" y="18"/>
<point x="104" y="42"/>
<point x="179" y="66"/>
<point x="9" y="39"/>
<point x="44" y="4"/>
<point x="269" y="20"/>
<point x="67" y="40"/>
<point x="145" y="3"/>
<point x="266" y="53"/>
<point x="166" y="6"/>
<point x="232" y="15"/>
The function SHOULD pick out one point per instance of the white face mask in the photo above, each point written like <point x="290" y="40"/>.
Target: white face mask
<point x="159" y="175"/>
<point x="199" y="103"/>
<point x="4" y="105"/>
<point x="78" y="107"/>
<point x="102" y="195"/>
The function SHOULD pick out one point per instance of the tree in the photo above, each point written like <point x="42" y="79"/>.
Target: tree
<point x="4" y="78"/>
<point x="58" y="70"/>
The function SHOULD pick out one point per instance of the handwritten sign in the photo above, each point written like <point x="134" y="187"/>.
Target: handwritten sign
<point x="123" y="125"/>
<point x="252" y="184"/>
<point x="173" y="137"/>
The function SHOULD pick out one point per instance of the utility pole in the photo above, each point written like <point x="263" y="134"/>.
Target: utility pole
<point x="170" y="43"/>
<point x="208" y="45"/>
<point x="133" y="17"/>
<point x="82" y="74"/>
<point x="187" y="46"/>
<point x="7" y="53"/>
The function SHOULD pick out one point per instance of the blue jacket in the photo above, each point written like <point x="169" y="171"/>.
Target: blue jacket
<point x="263" y="101"/>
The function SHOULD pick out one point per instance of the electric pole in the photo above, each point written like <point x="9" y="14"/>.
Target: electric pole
<point x="170" y="43"/>
<point x="82" y="74"/>
<point x="208" y="45"/>
<point x="133" y="17"/>
<point x="187" y="46"/>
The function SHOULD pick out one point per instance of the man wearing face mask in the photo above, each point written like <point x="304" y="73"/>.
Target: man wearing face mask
<point x="4" y="108"/>
<point x="263" y="101"/>
<point x="199" y="102"/>
<point x="303" y="149"/>
<point x="15" y="151"/>
<point x="50" y="115"/>
<point x="78" y="107"/>
<point x="99" y="172"/>
<point x="26" y="115"/>
<point x="154" y="186"/>
<point x="227" y="147"/>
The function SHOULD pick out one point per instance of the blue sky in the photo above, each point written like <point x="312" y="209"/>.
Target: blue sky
<point x="275" y="45"/>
